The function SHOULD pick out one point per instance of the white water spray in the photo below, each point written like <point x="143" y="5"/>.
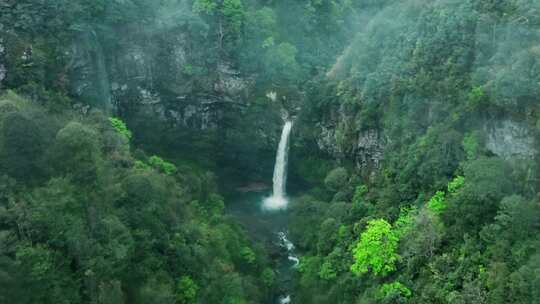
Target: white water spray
<point x="278" y="200"/>
<point x="284" y="242"/>
<point x="285" y="300"/>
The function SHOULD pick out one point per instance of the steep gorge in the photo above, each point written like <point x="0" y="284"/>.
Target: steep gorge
<point x="393" y="102"/>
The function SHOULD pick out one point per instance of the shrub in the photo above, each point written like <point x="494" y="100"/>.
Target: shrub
<point x="336" y="179"/>
<point x="389" y="289"/>
<point x="187" y="290"/>
<point x="471" y="146"/>
<point x="476" y="96"/>
<point x="437" y="204"/>
<point x="359" y="193"/>
<point x="456" y="184"/>
<point x="248" y="255"/>
<point x="161" y="165"/>
<point x="120" y="127"/>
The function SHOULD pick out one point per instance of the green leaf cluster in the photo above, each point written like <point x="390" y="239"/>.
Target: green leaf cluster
<point x="388" y="289"/>
<point x="120" y="127"/>
<point x="376" y="250"/>
<point x="162" y="165"/>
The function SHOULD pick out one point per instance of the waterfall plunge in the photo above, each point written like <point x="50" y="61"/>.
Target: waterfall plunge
<point x="278" y="200"/>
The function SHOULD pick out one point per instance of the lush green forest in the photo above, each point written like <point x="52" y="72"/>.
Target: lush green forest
<point x="128" y="128"/>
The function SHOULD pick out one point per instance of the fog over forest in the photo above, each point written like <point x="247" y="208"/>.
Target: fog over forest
<point x="269" y="151"/>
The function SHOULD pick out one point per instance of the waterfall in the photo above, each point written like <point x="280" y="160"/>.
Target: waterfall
<point x="278" y="200"/>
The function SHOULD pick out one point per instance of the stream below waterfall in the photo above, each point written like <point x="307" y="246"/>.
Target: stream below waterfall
<point x="265" y="218"/>
<point x="269" y="229"/>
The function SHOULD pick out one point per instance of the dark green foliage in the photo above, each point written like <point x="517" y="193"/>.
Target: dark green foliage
<point x="77" y="152"/>
<point x="430" y="77"/>
<point x="94" y="230"/>
<point x="336" y="179"/>
<point x="281" y="66"/>
<point x="394" y="289"/>
<point x="23" y="147"/>
<point x="411" y="103"/>
<point x="186" y="290"/>
<point x="476" y="98"/>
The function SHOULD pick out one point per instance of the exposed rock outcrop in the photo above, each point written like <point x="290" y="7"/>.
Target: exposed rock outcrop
<point x="367" y="151"/>
<point x="3" y="70"/>
<point x="509" y="139"/>
<point x="370" y="149"/>
<point x="151" y="71"/>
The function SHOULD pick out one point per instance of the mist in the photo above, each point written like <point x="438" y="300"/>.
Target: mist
<point x="253" y="151"/>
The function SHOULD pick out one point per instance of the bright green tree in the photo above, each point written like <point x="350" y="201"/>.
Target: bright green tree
<point x="120" y="127"/>
<point x="437" y="203"/>
<point x="376" y="250"/>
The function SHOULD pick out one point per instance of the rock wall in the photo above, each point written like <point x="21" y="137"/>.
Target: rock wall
<point x="152" y="71"/>
<point x="338" y="137"/>
<point x="3" y="69"/>
<point x="510" y="139"/>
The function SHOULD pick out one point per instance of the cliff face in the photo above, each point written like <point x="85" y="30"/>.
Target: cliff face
<point x="366" y="150"/>
<point x="153" y="72"/>
<point x="159" y="78"/>
<point x="166" y="79"/>
<point x="510" y="139"/>
<point x="2" y="66"/>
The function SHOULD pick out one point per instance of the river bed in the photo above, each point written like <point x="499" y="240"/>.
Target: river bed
<point x="270" y="229"/>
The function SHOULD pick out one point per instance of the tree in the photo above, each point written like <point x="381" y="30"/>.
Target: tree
<point x="376" y="250"/>
<point x="186" y="290"/>
<point x="77" y="152"/>
<point x="280" y="64"/>
<point x="205" y="6"/>
<point x="229" y="16"/>
<point x="234" y="13"/>
<point x="393" y="289"/>
<point x="421" y="241"/>
<point x="336" y="179"/>
<point x="21" y="147"/>
<point x="327" y="271"/>
<point x="487" y="181"/>
<point x="161" y="165"/>
<point x="517" y="218"/>
<point x="359" y="193"/>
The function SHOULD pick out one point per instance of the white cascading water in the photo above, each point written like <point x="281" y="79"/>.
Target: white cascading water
<point x="278" y="200"/>
<point x="284" y="241"/>
<point x="285" y="300"/>
<point x="289" y="247"/>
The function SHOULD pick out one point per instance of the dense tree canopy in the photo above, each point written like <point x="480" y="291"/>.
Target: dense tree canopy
<point x="128" y="127"/>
